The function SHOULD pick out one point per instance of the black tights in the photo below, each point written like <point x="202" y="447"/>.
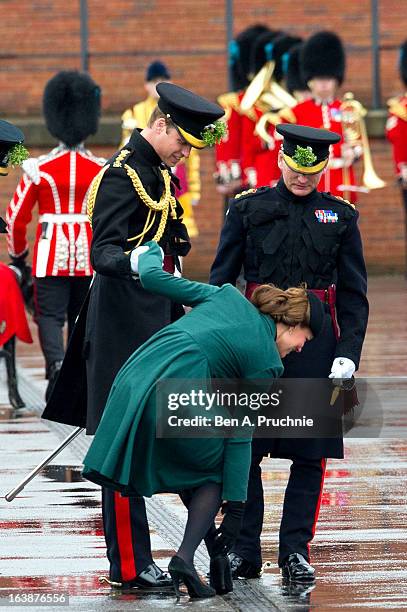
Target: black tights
<point x="203" y="504"/>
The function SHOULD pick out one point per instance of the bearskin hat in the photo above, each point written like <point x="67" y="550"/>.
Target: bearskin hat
<point x="281" y="46"/>
<point x="259" y="55"/>
<point x="239" y="55"/>
<point x="323" y="55"/>
<point x="157" y="70"/>
<point x="403" y="62"/>
<point x="71" y="106"/>
<point x="292" y="69"/>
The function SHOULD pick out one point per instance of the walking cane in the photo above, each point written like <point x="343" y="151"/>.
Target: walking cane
<point x="14" y="492"/>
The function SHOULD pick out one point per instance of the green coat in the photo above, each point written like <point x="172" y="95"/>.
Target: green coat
<point x="224" y="336"/>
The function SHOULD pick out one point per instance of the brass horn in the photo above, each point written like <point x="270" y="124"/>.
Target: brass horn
<point x="257" y="87"/>
<point x="283" y="95"/>
<point x="355" y="133"/>
<point x="261" y="127"/>
<point x="266" y="92"/>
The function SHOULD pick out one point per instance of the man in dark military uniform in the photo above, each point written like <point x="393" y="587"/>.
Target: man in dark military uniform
<point x="130" y="202"/>
<point x="288" y="235"/>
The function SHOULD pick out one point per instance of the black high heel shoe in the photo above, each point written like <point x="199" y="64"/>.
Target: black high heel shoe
<point x="220" y="575"/>
<point x="180" y="571"/>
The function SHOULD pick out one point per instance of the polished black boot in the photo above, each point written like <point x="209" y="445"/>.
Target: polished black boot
<point x="152" y="578"/>
<point x="180" y="571"/>
<point x="242" y="568"/>
<point x="297" y="569"/>
<point x="9" y="349"/>
<point x="220" y="575"/>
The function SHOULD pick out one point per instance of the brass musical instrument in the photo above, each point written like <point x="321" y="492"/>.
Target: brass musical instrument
<point x="265" y="92"/>
<point x="355" y="133"/>
<point x="261" y="128"/>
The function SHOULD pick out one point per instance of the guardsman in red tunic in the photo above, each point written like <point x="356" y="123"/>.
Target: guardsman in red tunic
<point x="260" y="153"/>
<point x="13" y="321"/>
<point x="323" y="65"/>
<point x="58" y="184"/>
<point x="396" y="131"/>
<point x="229" y="151"/>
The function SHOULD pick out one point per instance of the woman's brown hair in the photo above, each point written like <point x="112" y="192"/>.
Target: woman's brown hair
<point x="290" y="306"/>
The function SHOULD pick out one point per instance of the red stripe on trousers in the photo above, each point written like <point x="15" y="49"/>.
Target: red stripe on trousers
<point x="323" y="466"/>
<point x="124" y="537"/>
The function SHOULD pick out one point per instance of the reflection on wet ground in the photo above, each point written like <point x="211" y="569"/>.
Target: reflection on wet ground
<point x="52" y="539"/>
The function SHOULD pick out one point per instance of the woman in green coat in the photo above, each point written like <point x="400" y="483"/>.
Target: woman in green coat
<point x="223" y="336"/>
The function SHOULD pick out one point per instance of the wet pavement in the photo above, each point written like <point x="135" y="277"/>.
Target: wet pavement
<point x="52" y="543"/>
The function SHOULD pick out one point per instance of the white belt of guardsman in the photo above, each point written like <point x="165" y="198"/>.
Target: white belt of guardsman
<point x="58" y="219"/>
<point x="47" y="221"/>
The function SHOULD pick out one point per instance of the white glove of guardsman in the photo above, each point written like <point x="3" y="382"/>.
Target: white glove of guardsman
<point x="135" y="255"/>
<point x="342" y="367"/>
<point x="32" y="169"/>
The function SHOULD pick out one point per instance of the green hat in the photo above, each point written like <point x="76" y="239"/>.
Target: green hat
<point x="306" y="149"/>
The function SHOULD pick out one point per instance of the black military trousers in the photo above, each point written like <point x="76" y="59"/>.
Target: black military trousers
<point x="57" y="299"/>
<point x="300" y="510"/>
<point x="127" y="535"/>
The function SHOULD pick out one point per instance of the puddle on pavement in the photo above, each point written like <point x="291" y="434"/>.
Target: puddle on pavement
<point x="63" y="473"/>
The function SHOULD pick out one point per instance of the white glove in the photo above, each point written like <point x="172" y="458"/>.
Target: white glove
<point x="32" y="169"/>
<point x="342" y="367"/>
<point x="134" y="257"/>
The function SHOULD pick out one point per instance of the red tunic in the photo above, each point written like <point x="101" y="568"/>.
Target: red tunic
<point x="396" y="130"/>
<point x="62" y="243"/>
<point x="327" y="116"/>
<point x="259" y="159"/>
<point x="228" y="152"/>
<point x="13" y="321"/>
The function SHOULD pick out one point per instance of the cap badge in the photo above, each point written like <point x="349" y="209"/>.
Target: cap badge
<point x="304" y="156"/>
<point x="326" y="216"/>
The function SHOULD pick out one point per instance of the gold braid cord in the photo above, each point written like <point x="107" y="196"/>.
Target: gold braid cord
<point x="90" y="204"/>
<point x="166" y="204"/>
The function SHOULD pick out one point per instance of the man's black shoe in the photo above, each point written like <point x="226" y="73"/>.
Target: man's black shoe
<point x="242" y="568"/>
<point x="296" y="569"/>
<point x="151" y="578"/>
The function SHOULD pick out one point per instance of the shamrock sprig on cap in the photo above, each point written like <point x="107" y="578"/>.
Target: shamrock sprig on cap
<point x="213" y="133"/>
<point x="17" y="155"/>
<point x="304" y="156"/>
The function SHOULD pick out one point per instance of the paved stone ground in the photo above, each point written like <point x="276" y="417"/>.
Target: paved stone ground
<point x="51" y="535"/>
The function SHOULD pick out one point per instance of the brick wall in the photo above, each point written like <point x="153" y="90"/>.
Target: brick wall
<point x="41" y="37"/>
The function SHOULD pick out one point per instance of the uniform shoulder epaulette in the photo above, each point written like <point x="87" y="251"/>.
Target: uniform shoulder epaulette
<point x="98" y="160"/>
<point x="230" y="100"/>
<point x="245" y="193"/>
<point x="338" y="199"/>
<point x="398" y="107"/>
<point x="93" y="189"/>
<point x="251" y="192"/>
<point x="121" y="157"/>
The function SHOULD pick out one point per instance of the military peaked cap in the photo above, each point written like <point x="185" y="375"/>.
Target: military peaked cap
<point x="190" y="113"/>
<point x="306" y="149"/>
